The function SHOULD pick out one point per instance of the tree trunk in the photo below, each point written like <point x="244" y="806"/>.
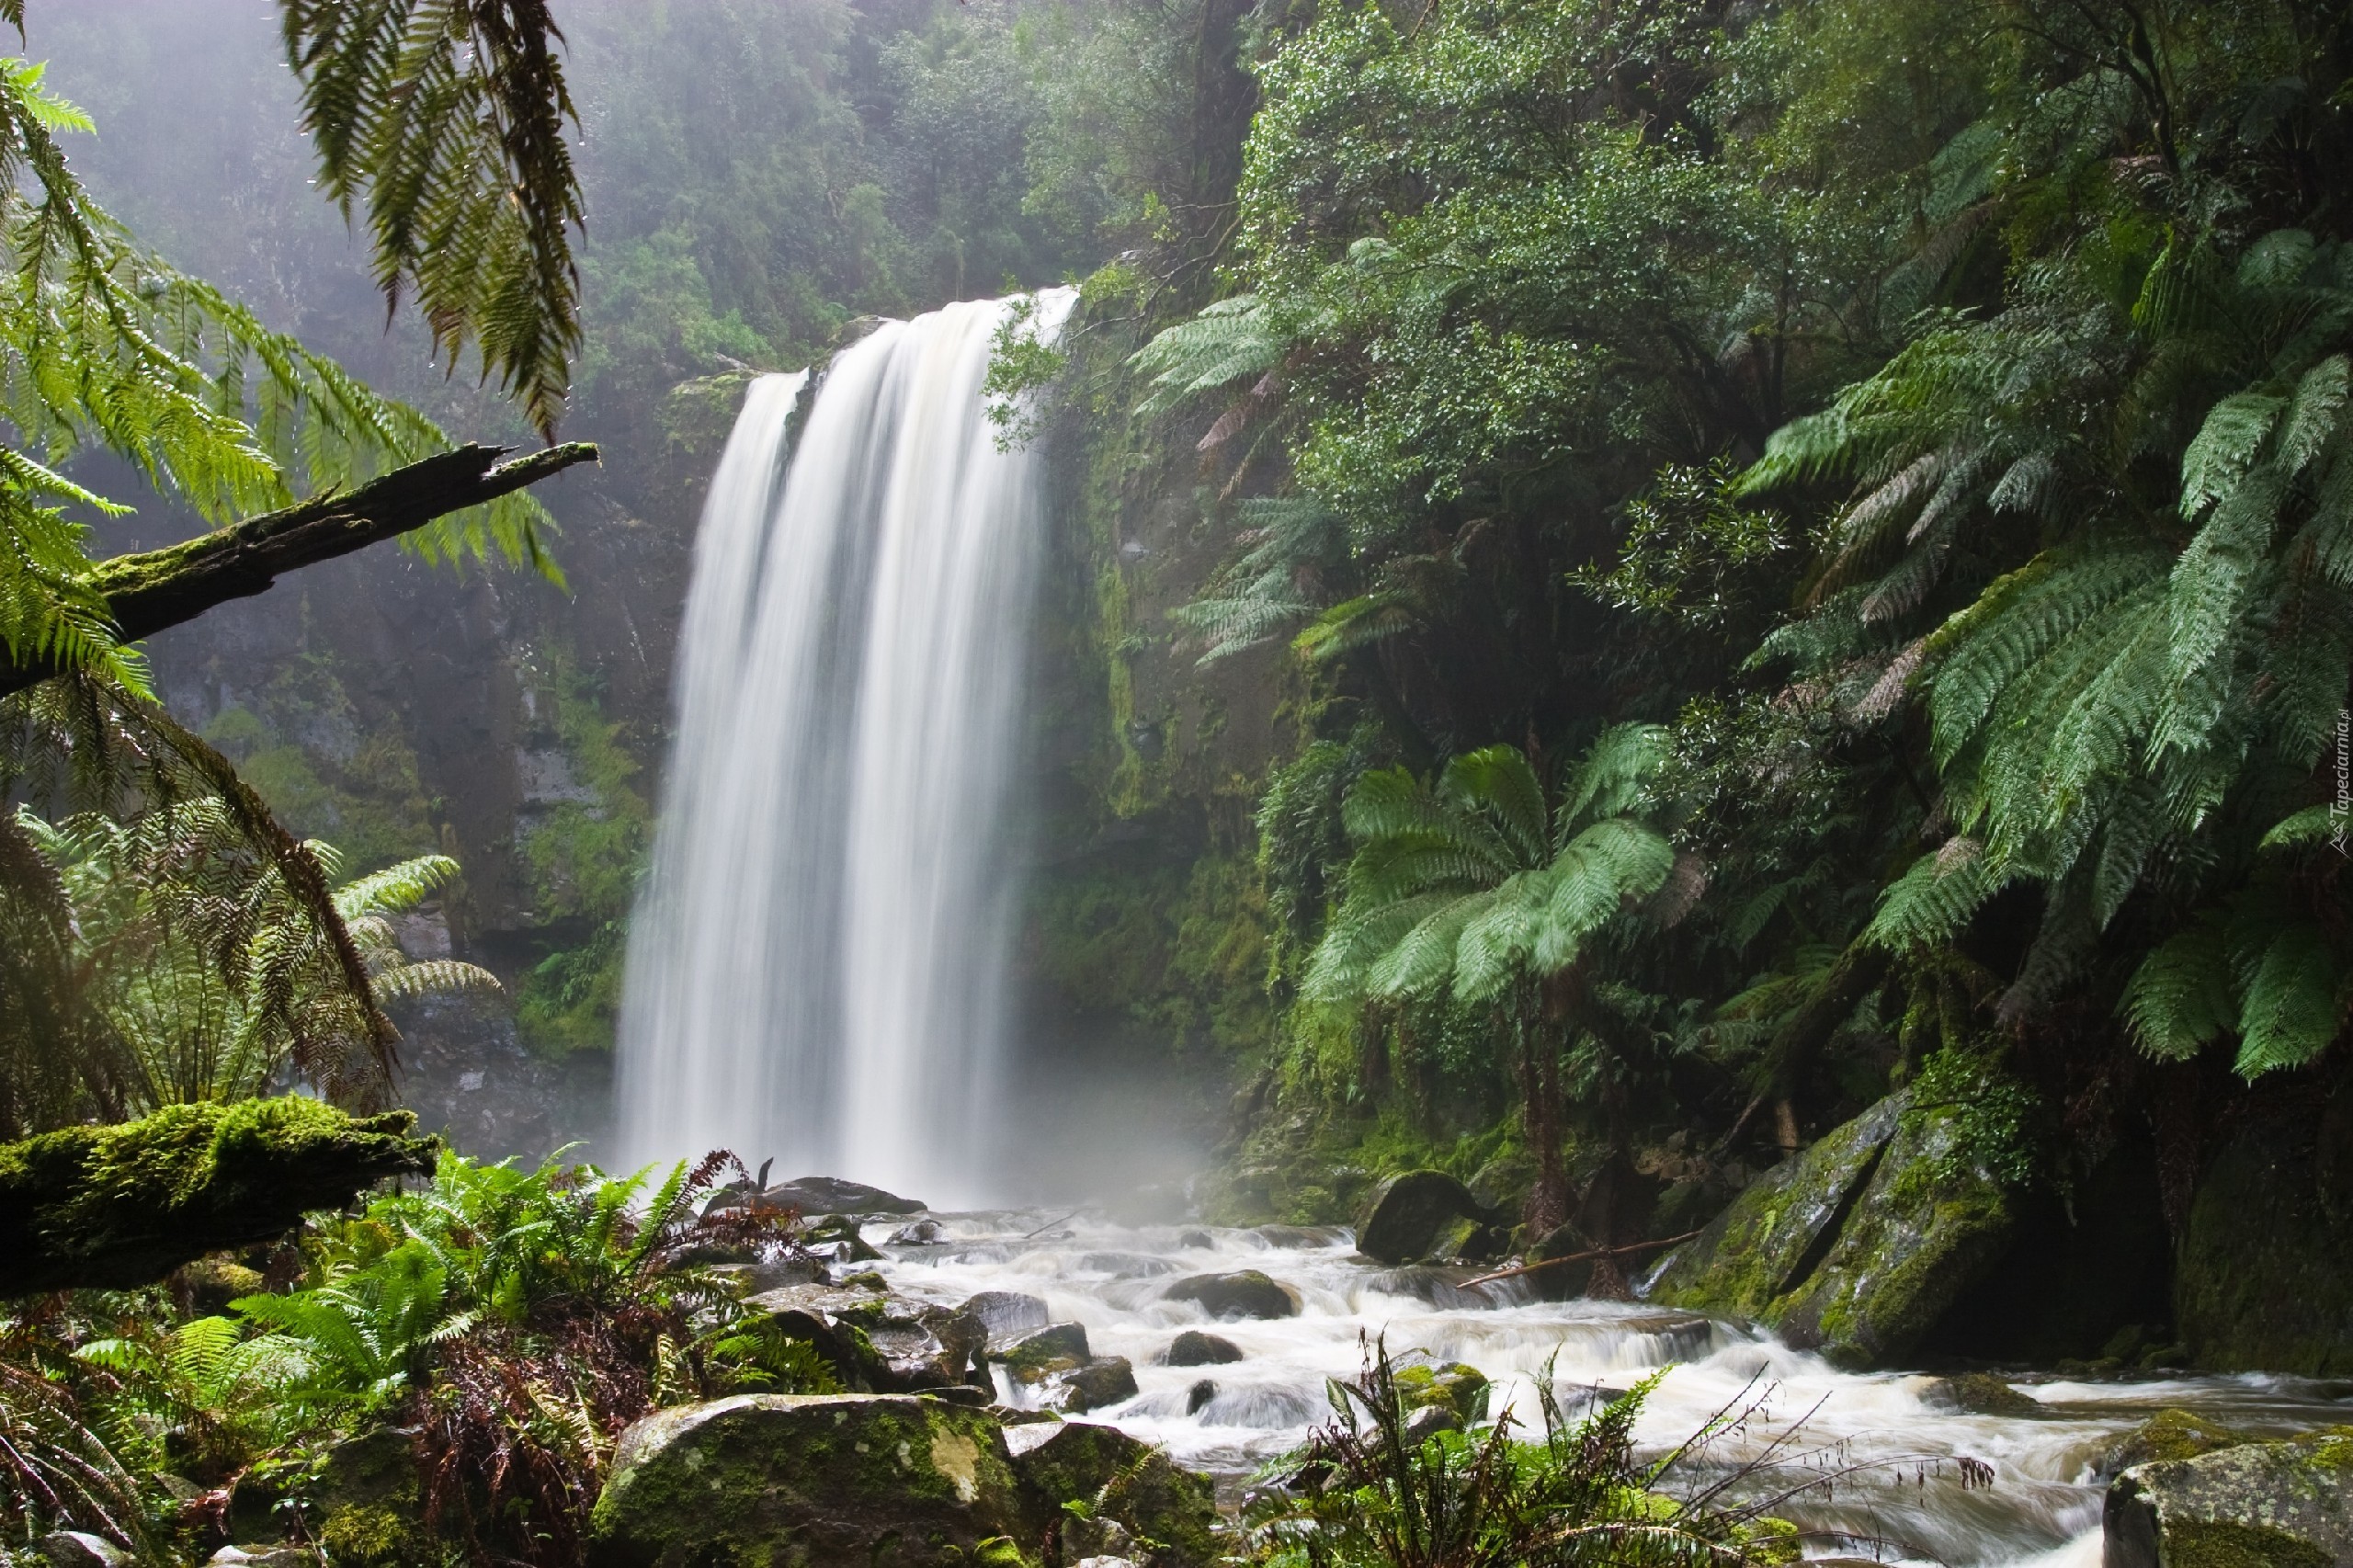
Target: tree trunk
<point x="158" y="588"/>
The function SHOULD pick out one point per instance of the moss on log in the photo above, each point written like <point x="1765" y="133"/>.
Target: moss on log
<point x="110" y="1208"/>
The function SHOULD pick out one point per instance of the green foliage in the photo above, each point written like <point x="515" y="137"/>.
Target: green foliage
<point x="449" y="117"/>
<point x="1999" y="1123"/>
<point x="1478" y="888"/>
<point x="1364" y="1494"/>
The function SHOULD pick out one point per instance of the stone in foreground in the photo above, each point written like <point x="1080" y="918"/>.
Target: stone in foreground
<point x="889" y="1481"/>
<point x="2285" y="1505"/>
<point x="1244" y="1294"/>
<point x="1122" y="1479"/>
<point x="1409" y="1216"/>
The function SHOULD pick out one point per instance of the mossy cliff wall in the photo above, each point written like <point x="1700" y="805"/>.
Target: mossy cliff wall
<point x="1144" y="948"/>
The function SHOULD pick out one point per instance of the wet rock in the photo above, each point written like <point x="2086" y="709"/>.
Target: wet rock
<point x="2168" y="1436"/>
<point x="1198" y="1397"/>
<point x="2283" y="1505"/>
<point x="1455" y="1387"/>
<point x="1982" y="1393"/>
<point x="821" y="1478"/>
<point x="1194" y="1348"/>
<point x="1196" y="1239"/>
<point x="2263" y="1279"/>
<point x="1056" y="1348"/>
<point x="880" y="1342"/>
<point x="922" y="1234"/>
<point x="1550" y="1277"/>
<point x="836" y="1239"/>
<point x="1465" y="1240"/>
<point x="751" y="1278"/>
<point x="1244" y="1294"/>
<point x="1007" y="1315"/>
<point x="1765" y="1244"/>
<point x="370" y="1504"/>
<point x="1429" y="1421"/>
<point x="1407" y="1215"/>
<point x="1099" y="1384"/>
<point x="1092" y="1540"/>
<point x="812" y="1195"/>
<point x="1120" y="1478"/>
<point x="78" y="1548"/>
<point x="1859" y="1245"/>
<point x="1932" y="1221"/>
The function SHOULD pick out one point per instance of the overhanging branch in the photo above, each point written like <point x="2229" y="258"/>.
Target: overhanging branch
<point x="158" y="588"/>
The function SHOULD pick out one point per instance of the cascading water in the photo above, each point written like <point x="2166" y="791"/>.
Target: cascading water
<point x="816" y="970"/>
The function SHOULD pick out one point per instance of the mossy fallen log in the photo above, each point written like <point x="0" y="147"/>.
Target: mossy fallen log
<point x="111" y="1208"/>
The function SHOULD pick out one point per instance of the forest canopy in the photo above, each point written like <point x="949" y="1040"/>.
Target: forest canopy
<point x="1934" y="416"/>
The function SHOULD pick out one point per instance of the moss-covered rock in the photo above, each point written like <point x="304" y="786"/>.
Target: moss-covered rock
<point x="2169" y="1435"/>
<point x="785" y="1481"/>
<point x="1769" y="1239"/>
<point x="2283" y="1505"/>
<point x="1982" y="1393"/>
<point x="1246" y="1294"/>
<point x="2263" y="1279"/>
<point x="1409" y="1216"/>
<point x="1458" y="1388"/>
<point x="1859" y="1245"/>
<point x="1110" y="1475"/>
<point x="111" y="1208"/>
<point x="1931" y="1221"/>
<point x="370" y="1503"/>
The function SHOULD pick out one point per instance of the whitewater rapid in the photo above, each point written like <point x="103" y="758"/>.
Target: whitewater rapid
<point x="1900" y="1493"/>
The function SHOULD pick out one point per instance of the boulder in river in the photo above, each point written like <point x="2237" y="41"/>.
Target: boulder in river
<point x="814" y="1478"/>
<point x="1857" y="1246"/>
<point x="1195" y="1348"/>
<point x="2280" y="1504"/>
<point x="1246" y="1293"/>
<point x="1008" y="1315"/>
<point x="1763" y="1246"/>
<point x="813" y="1195"/>
<point x="2167" y="1435"/>
<point x="1455" y="1387"/>
<point x="1054" y="1348"/>
<point x="1101" y="1383"/>
<point x="1114" y="1476"/>
<point x="1983" y="1394"/>
<point x="1408" y="1215"/>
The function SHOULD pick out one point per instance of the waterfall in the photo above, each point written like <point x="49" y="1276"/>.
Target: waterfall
<point x="816" y="967"/>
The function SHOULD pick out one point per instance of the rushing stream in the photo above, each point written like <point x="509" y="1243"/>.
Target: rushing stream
<point x="1894" y="1446"/>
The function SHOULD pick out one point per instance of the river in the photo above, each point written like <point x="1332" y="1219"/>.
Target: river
<point x="1900" y="1494"/>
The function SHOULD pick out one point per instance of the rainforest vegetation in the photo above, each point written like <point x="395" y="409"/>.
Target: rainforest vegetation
<point x="1633" y="580"/>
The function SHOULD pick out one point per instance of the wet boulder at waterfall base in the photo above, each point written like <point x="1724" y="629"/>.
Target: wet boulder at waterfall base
<point x="1195" y="1348"/>
<point x="815" y="1479"/>
<point x="2268" y="1505"/>
<point x="1419" y="1215"/>
<point x="1246" y="1294"/>
<point x="1859" y="1245"/>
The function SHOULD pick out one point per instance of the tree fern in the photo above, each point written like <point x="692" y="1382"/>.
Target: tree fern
<point x="1229" y="340"/>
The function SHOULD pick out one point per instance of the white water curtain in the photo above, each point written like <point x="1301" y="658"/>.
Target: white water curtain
<point x="816" y="970"/>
